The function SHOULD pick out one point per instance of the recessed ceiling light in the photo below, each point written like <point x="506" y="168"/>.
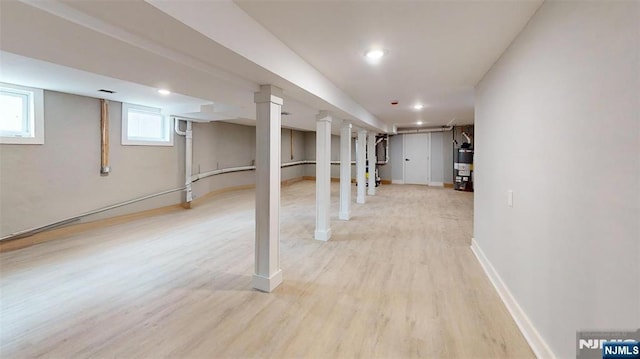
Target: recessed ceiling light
<point x="164" y="92"/>
<point x="418" y="106"/>
<point x="374" y="54"/>
<point x="419" y="123"/>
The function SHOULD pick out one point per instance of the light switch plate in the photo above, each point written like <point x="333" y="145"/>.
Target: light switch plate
<point x="510" y="198"/>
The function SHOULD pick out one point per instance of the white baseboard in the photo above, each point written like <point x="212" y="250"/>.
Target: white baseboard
<point x="530" y="333"/>
<point x="436" y="184"/>
<point x="397" y="181"/>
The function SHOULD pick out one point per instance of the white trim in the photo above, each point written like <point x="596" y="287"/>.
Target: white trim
<point x="125" y="141"/>
<point x="529" y="331"/>
<point x="38" y="117"/>
<point x="344" y="216"/>
<point x="397" y="181"/>
<point x="322" y="235"/>
<point x="265" y="284"/>
<point x="436" y="184"/>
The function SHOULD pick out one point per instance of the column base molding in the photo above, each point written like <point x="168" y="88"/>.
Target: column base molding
<point x="265" y="284"/>
<point x="323" y="235"/>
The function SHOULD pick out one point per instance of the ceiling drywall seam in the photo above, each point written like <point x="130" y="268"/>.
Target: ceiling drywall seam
<point x="228" y="25"/>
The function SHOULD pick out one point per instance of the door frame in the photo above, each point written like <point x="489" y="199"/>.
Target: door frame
<point x="404" y="156"/>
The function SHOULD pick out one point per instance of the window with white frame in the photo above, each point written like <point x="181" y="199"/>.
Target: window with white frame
<point x="145" y="126"/>
<point x="21" y="114"/>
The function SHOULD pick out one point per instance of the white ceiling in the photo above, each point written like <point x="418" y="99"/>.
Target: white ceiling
<point x="437" y="52"/>
<point x="30" y="72"/>
<point x="26" y="71"/>
<point x="76" y="53"/>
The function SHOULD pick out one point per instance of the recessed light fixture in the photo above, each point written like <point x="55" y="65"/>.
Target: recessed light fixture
<point x="419" y="123"/>
<point x="374" y="54"/>
<point x="164" y="92"/>
<point x="418" y="106"/>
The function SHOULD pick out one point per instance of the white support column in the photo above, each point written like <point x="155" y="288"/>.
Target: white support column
<point x="372" y="160"/>
<point x="323" y="176"/>
<point x="268" y="274"/>
<point x="345" y="171"/>
<point x="361" y="158"/>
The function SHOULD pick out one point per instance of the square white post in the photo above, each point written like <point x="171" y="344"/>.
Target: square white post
<point x="323" y="176"/>
<point x="345" y="172"/>
<point x="360" y="166"/>
<point x="268" y="274"/>
<point x="372" y="160"/>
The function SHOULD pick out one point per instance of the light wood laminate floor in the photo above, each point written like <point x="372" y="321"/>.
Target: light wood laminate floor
<point x="398" y="280"/>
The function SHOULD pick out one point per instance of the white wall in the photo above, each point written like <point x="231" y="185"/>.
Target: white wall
<point x="310" y="154"/>
<point x="447" y="157"/>
<point x="222" y="145"/>
<point x="42" y="184"/>
<point x="297" y="146"/>
<point x="557" y="122"/>
<point x="437" y="158"/>
<point x="396" y="158"/>
<point x="219" y="145"/>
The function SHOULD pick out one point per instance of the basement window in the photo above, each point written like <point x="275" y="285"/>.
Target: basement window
<point x="21" y="115"/>
<point x="145" y="126"/>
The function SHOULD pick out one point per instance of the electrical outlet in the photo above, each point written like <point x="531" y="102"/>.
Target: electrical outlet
<point x="510" y="198"/>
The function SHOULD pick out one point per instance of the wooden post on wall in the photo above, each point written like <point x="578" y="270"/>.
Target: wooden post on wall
<point x="104" y="138"/>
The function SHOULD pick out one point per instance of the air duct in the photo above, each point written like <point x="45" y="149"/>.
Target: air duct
<point x="426" y="130"/>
